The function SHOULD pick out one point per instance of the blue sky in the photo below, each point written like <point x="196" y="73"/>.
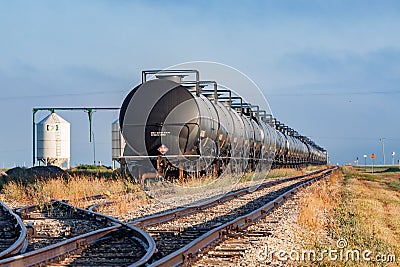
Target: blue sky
<point x="330" y="69"/>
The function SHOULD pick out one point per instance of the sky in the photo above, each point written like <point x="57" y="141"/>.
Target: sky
<point x="329" y="69"/>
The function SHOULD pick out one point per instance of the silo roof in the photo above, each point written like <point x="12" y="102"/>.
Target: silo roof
<point x="53" y="118"/>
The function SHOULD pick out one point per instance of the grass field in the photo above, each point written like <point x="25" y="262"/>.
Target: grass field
<point x="377" y="169"/>
<point x="361" y="208"/>
<point x="370" y="212"/>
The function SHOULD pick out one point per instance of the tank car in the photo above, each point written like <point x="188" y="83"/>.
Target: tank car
<point x="178" y="129"/>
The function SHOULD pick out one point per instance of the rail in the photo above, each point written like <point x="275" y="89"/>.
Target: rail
<point x="21" y="243"/>
<point x="242" y="222"/>
<point x="144" y="238"/>
<point x="48" y="253"/>
<point x="184" y="211"/>
<point x="178" y="257"/>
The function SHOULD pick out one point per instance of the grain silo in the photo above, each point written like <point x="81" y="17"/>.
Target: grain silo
<point x="53" y="140"/>
<point x="117" y="143"/>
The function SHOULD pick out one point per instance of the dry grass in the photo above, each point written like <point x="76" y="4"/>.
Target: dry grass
<point x="311" y="168"/>
<point x="204" y="183"/>
<point x="363" y="209"/>
<point x="196" y="181"/>
<point x="123" y="203"/>
<point x="225" y="180"/>
<point x="372" y="210"/>
<point x="72" y="188"/>
<point x="320" y="203"/>
<point x="284" y="172"/>
<point x="14" y="191"/>
<point x="198" y="185"/>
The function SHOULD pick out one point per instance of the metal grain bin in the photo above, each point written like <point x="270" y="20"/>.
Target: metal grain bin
<point x="53" y="140"/>
<point x="117" y="142"/>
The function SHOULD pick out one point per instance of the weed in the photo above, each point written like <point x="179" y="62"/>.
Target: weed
<point x="368" y="216"/>
<point x="14" y="190"/>
<point x="74" y="187"/>
<point x="285" y="172"/>
<point x="360" y="208"/>
<point x="395" y="185"/>
<point x="323" y="198"/>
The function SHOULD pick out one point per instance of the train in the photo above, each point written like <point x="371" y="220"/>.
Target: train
<point x="178" y="128"/>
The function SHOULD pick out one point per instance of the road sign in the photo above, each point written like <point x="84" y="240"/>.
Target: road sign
<point x="372" y="156"/>
<point x="163" y="149"/>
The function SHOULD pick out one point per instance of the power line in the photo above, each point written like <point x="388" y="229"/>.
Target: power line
<point x="339" y="93"/>
<point x="355" y="138"/>
<point x="62" y="95"/>
<point x="126" y="91"/>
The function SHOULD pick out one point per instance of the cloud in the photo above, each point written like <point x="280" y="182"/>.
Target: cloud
<point x="89" y="73"/>
<point x="311" y="58"/>
<point x="343" y="71"/>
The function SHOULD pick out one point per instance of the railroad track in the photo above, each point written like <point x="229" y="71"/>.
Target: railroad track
<point x="230" y="250"/>
<point x="12" y="232"/>
<point x="59" y="230"/>
<point x="181" y="233"/>
<point x="58" y="221"/>
<point x="247" y="246"/>
<point x="111" y="207"/>
<point x="172" y="213"/>
<point x="63" y="235"/>
<point x="118" y="248"/>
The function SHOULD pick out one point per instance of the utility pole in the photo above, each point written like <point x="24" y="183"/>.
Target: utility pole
<point x="94" y="149"/>
<point x="365" y="162"/>
<point x="373" y="164"/>
<point x="383" y="149"/>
